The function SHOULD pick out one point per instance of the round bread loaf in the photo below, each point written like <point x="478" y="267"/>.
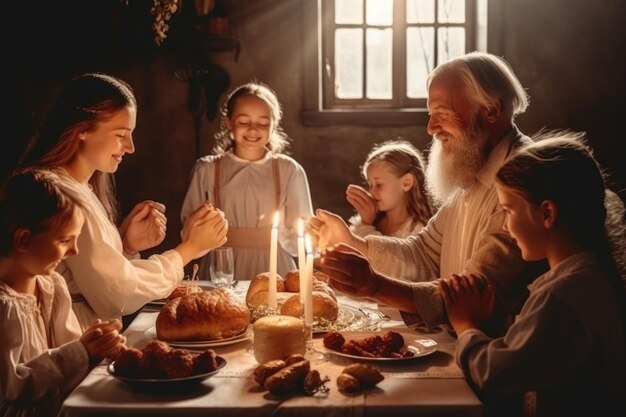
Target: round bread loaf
<point x="292" y="280"/>
<point x="276" y="337"/>
<point x="258" y="289"/>
<point x="324" y="306"/>
<point x="208" y="315"/>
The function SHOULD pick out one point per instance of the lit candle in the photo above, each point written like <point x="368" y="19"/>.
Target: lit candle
<point x="271" y="293"/>
<point x="301" y="257"/>
<point x="308" y="284"/>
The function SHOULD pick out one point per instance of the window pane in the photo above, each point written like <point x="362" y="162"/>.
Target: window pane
<point x="420" y="52"/>
<point x="420" y="11"/>
<point x="451" y="11"/>
<point x="451" y="43"/>
<point x="379" y="63"/>
<point x="349" y="63"/>
<point x="349" y="11"/>
<point x="379" y="12"/>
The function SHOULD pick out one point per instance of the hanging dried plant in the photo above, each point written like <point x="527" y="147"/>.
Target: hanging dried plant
<point x="162" y="11"/>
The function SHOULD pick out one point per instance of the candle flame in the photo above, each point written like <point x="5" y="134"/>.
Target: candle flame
<point x="276" y="219"/>
<point x="300" y="228"/>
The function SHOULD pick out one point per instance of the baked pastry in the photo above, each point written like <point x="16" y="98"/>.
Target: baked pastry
<point x="184" y="289"/>
<point x="208" y="315"/>
<point x="276" y="337"/>
<point x="292" y="279"/>
<point x="258" y="289"/>
<point x="324" y="299"/>
<point x="158" y="360"/>
<point x="324" y="306"/>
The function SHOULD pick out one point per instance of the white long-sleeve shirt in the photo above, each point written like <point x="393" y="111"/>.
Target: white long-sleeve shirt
<point x="41" y="358"/>
<point x="111" y="284"/>
<point x="464" y="236"/>
<point x="567" y="345"/>
<point x="247" y="198"/>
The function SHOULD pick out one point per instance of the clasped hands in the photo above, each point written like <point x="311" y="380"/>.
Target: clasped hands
<point x="469" y="300"/>
<point x="144" y="227"/>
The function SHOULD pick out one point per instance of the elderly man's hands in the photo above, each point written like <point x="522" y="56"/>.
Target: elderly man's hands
<point x="349" y="271"/>
<point x="329" y="229"/>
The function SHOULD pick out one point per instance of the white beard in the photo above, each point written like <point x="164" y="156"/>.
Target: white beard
<point x="457" y="167"/>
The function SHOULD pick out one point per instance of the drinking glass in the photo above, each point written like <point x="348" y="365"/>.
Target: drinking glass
<point x="221" y="266"/>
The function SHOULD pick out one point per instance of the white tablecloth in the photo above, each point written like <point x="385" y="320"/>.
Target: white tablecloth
<point x="429" y="385"/>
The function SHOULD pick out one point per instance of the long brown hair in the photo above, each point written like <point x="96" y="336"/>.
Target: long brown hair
<point x="86" y="101"/>
<point x="560" y="167"/>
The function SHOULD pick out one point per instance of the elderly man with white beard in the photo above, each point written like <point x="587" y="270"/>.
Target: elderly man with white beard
<point x="473" y="101"/>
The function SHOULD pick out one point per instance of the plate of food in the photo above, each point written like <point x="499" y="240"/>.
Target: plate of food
<point x="201" y="344"/>
<point x="384" y="346"/>
<point x="348" y="318"/>
<point x="163" y="384"/>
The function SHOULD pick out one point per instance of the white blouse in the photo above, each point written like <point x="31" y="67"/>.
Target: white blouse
<point x="41" y="358"/>
<point x="247" y="198"/>
<point x="110" y="284"/>
<point x="406" y="229"/>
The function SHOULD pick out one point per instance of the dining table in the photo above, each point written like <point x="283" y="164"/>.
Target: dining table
<point x="429" y="384"/>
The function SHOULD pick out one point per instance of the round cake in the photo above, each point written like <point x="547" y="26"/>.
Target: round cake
<point x="276" y="337"/>
<point x="208" y="315"/>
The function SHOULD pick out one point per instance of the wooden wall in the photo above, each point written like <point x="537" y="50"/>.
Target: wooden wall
<point x="569" y="54"/>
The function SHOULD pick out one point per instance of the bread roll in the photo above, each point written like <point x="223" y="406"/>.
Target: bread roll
<point x="258" y="289"/>
<point x="324" y="299"/>
<point x="324" y="306"/>
<point x="276" y="337"/>
<point x="208" y="315"/>
<point x="292" y="280"/>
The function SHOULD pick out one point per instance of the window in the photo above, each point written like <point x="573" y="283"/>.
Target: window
<point x="373" y="56"/>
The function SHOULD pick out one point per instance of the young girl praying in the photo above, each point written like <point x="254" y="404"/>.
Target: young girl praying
<point x="564" y="354"/>
<point x="43" y="355"/>
<point x="250" y="178"/>
<point x="397" y="203"/>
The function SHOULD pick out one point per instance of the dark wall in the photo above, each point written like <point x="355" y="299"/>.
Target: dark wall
<point x="569" y="54"/>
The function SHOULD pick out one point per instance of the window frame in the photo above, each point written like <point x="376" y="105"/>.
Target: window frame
<point x="318" y="110"/>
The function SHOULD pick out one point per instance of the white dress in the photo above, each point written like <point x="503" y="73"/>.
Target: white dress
<point x="41" y="358"/>
<point x="247" y="198"/>
<point x="406" y="229"/>
<point x="102" y="281"/>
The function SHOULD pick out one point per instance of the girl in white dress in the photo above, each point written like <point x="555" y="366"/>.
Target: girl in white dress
<point x="43" y="355"/>
<point x="84" y="138"/>
<point x="564" y="354"/>
<point x="250" y="178"/>
<point x="397" y="203"/>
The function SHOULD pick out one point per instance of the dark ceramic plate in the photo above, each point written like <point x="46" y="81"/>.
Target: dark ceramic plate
<point x="162" y="384"/>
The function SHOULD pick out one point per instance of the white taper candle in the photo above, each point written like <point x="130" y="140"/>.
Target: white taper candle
<point x="271" y="293"/>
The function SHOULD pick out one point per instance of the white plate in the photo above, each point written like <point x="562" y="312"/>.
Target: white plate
<point x="160" y="302"/>
<point x="348" y="318"/>
<point x="420" y="346"/>
<point x="200" y="344"/>
<point x="165" y="383"/>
